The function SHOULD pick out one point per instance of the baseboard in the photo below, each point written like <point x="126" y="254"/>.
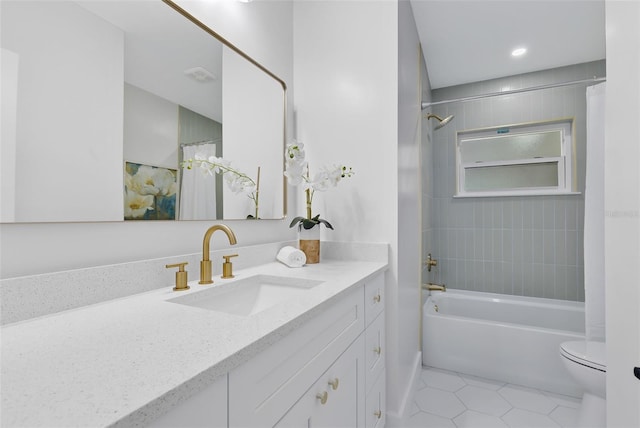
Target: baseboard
<point x="396" y="420"/>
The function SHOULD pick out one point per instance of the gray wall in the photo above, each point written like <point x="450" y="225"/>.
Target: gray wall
<point x="528" y="246"/>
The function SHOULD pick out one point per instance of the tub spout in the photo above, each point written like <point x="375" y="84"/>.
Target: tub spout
<point x="434" y="287"/>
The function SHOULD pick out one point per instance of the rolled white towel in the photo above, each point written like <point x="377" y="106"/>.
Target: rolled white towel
<point x="291" y="257"/>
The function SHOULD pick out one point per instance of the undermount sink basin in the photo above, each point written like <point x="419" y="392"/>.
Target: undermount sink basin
<point x="248" y="296"/>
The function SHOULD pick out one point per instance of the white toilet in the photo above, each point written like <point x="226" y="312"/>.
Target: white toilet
<point x="586" y="362"/>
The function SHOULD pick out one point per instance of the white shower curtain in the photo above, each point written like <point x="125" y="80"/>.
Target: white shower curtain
<point x="198" y="191"/>
<point x="594" y="215"/>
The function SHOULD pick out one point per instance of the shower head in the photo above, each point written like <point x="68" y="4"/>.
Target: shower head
<point x="442" y="121"/>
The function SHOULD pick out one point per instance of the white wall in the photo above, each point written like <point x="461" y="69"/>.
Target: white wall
<point x="8" y="109"/>
<point x="622" y="212"/>
<point x="409" y="207"/>
<point x="252" y="105"/>
<point x="262" y="29"/>
<point x="57" y="105"/>
<point x="346" y="108"/>
<point x="150" y="129"/>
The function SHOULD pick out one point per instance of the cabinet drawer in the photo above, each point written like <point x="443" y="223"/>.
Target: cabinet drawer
<point x="262" y="390"/>
<point x="373" y="298"/>
<point x="375" y="350"/>
<point x="376" y="405"/>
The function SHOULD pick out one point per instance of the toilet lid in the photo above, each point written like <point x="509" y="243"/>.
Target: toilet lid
<point x="587" y="353"/>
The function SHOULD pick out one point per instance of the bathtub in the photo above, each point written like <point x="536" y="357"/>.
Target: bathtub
<point x="512" y="339"/>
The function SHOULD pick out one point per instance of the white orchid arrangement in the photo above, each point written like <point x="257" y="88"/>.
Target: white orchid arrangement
<point x="237" y="181"/>
<point x="297" y="172"/>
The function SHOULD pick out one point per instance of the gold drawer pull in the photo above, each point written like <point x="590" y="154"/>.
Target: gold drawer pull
<point x="334" y="383"/>
<point x="377" y="350"/>
<point x="377" y="298"/>
<point x="377" y="414"/>
<point x="323" y="397"/>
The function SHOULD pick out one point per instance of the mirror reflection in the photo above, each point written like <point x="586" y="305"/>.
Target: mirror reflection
<point x="95" y="128"/>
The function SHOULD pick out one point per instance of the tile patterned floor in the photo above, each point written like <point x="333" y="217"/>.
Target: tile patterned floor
<point x="451" y="400"/>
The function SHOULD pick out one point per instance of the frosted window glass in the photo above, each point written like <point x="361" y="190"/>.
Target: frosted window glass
<point x="507" y="177"/>
<point x="511" y="147"/>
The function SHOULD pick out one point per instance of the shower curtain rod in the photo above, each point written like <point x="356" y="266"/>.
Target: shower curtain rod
<point x="197" y="143"/>
<point x="516" y="91"/>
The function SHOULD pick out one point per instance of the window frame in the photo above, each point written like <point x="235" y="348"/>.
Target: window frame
<point x="565" y="161"/>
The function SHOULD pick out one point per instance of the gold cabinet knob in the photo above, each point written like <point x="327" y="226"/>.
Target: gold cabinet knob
<point x="377" y="414"/>
<point x="322" y="397"/>
<point x="377" y="350"/>
<point x="377" y="298"/>
<point x="334" y="383"/>
<point x="181" y="276"/>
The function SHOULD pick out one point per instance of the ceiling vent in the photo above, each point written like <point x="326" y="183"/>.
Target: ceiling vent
<point x="200" y="74"/>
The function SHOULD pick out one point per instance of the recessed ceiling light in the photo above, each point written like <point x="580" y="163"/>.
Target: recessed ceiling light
<point x="519" y="52"/>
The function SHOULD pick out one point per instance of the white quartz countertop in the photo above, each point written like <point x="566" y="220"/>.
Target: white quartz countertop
<point x="124" y="361"/>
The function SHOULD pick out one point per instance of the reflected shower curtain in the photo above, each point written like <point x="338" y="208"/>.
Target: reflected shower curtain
<point x="594" y="215"/>
<point x="198" y="191"/>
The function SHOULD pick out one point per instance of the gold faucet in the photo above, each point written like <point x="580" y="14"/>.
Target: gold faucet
<point x="205" y="264"/>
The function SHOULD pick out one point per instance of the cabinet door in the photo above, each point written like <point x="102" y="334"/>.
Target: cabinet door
<point x="207" y="408"/>
<point x="336" y="399"/>
<point x="376" y="404"/>
<point x="375" y="350"/>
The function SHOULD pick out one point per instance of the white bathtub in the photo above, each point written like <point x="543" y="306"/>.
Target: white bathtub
<point x="512" y="339"/>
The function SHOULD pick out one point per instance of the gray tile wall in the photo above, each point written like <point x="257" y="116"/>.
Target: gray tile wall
<point x="528" y="246"/>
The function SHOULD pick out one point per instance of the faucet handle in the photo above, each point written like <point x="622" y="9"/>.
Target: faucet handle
<point x="227" y="266"/>
<point x="181" y="276"/>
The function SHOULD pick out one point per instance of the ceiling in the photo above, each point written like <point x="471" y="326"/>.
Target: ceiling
<point x="471" y="40"/>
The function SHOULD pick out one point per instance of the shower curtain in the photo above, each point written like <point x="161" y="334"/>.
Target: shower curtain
<point x="594" y="215"/>
<point x="198" y="191"/>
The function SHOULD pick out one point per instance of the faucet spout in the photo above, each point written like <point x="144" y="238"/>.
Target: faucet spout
<point x="434" y="287"/>
<point x="205" y="264"/>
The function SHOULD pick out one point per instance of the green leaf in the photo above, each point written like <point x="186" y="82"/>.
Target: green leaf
<point x="296" y="220"/>
<point x="309" y="223"/>
<point x="326" y="223"/>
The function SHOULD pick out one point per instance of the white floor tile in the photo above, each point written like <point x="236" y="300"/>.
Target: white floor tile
<point x="471" y="419"/>
<point x="519" y="418"/>
<point x="566" y="417"/>
<point x="427" y="420"/>
<point x="482" y="382"/>
<point x="439" y="379"/>
<point x="483" y="400"/>
<point x="438" y="402"/>
<point x="453" y="400"/>
<point x="414" y="409"/>
<point x="564" y="400"/>
<point x="528" y="399"/>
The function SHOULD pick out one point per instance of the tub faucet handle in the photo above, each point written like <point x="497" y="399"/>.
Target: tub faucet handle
<point x="430" y="262"/>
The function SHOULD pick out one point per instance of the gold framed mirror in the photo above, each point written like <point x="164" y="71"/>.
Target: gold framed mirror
<point x="96" y="87"/>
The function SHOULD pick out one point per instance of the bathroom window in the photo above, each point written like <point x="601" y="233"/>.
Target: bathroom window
<point x="525" y="159"/>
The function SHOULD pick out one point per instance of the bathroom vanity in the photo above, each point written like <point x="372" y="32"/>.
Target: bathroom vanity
<point x="164" y="358"/>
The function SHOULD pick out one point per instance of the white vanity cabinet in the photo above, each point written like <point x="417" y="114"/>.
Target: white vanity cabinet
<point x="207" y="408"/>
<point x="318" y="376"/>
<point x="329" y="372"/>
<point x="263" y="390"/>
